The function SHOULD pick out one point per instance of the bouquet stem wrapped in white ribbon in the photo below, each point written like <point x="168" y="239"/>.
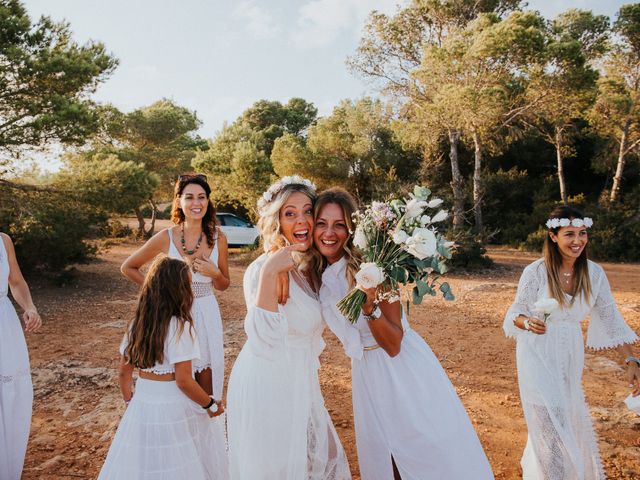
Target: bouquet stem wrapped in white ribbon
<point x="400" y="245"/>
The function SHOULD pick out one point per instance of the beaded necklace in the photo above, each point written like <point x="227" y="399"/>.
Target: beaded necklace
<point x="183" y="244"/>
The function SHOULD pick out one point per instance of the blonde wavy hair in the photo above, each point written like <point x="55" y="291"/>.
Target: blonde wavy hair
<point x="271" y="233"/>
<point x="347" y="203"/>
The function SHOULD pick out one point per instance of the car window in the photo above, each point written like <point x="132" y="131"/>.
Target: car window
<point x="222" y="219"/>
<point x="235" y="221"/>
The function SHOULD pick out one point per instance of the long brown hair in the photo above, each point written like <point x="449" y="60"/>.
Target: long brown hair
<point x="553" y="261"/>
<point x="209" y="219"/>
<point x="166" y="293"/>
<point x="347" y="203"/>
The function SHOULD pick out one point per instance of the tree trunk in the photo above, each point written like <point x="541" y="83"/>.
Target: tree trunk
<point x="477" y="181"/>
<point x="456" y="180"/>
<point x="140" y="233"/>
<point x="152" y="227"/>
<point x="563" y="187"/>
<point x="617" y="179"/>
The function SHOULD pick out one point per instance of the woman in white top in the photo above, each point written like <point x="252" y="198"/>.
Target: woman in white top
<point x="16" y="391"/>
<point x="165" y="432"/>
<point x="278" y="425"/>
<point x="561" y="442"/>
<point x="195" y="239"/>
<point x="409" y="421"/>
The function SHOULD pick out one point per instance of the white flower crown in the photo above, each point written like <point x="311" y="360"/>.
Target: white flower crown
<point x="275" y="188"/>
<point x="565" y="222"/>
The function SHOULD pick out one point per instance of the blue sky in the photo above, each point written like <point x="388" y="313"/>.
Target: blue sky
<point x="218" y="57"/>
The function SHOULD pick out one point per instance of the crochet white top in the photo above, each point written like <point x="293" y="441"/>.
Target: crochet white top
<point x="177" y="348"/>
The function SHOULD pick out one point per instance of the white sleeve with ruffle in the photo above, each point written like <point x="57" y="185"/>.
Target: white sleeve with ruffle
<point x="607" y="328"/>
<point x="266" y="331"/>
<point x="332" y="291"/>
<point x="530" y="282"/>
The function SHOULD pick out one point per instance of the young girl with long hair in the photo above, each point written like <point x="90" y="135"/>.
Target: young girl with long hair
<point x="561" y="441"/>
<point x="278" y="425"/>
<point x="165" y="432"/>
<point x="195" y="239"/>
<point x="409" y="421"/>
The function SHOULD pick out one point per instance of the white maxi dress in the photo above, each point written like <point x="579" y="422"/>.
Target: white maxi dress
<point x="404" y="407"/>
<point x="561" y="442"/>
<point x="278" y="426"/>
<point x="16" y="390"/>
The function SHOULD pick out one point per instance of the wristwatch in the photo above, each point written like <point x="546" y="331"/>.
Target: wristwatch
<point x="374" y="315"/>
<point x="632" y="359"/>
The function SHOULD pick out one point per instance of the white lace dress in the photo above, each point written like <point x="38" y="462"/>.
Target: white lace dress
<point x="278" y="426"/>
<point x="404" y="406"/>
<point x="16" y="390"/>
<point x="561" y="443"/>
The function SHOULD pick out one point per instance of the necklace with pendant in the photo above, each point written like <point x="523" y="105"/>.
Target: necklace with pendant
<point x="184" y="245"/>
<point x="567" y="277"/>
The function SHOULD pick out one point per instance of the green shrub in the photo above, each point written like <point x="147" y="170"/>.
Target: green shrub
<point x="469" y="252"/>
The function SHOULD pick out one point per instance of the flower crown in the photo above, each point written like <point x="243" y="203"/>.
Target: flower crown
<point x="565" y="222"/>
<point x="276" y="187"/>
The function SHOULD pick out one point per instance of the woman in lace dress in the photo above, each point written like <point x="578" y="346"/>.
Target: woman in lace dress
<point x="16" y="391"/>
<point x="165" y="432"/>
<point x="409" y="421"/>
<point x="278" y="425"/>
<point x="561" y="443"/>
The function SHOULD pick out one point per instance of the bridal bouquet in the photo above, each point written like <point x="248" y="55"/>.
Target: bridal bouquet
<point x="400" y="245"/>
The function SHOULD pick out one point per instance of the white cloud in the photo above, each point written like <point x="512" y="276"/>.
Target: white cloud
<point x="320" y="22"/>
<point x="258" y="21"/>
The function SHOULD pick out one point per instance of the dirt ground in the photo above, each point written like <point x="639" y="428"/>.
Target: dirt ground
<point x="77" y="404"/>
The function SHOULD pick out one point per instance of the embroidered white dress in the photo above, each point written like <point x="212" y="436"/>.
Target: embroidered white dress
<point x="207" y="321"/>
<point x="278" y="426"/>
<point x="164" y="435"/>
<point x="16" y="390"/>
<point x="404" y="406"/>
<point x="561" y="443"/>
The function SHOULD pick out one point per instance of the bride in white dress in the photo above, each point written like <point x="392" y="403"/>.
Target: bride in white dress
<point x="16" y="391"/>
<point x="561" y="443"/>
<point x="278" y="426"/>
<point x="409" y="421"/>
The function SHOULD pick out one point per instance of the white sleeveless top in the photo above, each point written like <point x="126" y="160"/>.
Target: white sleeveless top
<point x="177" y="348"/>
<point x="201" y="285"/>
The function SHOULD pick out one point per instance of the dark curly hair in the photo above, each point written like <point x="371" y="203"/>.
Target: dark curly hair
<point x="177" y="215"/>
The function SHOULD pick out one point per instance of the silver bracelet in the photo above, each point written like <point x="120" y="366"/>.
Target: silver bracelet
<point x="632" y="359"/>
<point x="526" y="324"/>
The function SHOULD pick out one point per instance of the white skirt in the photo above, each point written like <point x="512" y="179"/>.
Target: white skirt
<point x="16" y="393"/>
<point x="163" y="435"/>
<point x="208" y="324"/>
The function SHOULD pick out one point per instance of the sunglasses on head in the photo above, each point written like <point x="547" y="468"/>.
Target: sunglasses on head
<point x="192" y="176"/>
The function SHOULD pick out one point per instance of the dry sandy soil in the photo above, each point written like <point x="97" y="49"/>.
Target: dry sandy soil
<point x="77" y="404"/>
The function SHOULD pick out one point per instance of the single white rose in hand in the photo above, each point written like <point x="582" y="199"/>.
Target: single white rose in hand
<point x="400" y="237"/>
<point x="422" y="243"/>
<point x="360" y="239"/>
<point x="546" y="306"/>
<point x="370" y="275"/>
<point x="415" y="208"/>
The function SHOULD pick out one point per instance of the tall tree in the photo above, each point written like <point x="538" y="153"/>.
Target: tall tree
<point x="563" y="85"/>
<point x="45" y="79"/>
<point x="392" y="48"/>
<point x="616" y="113"/>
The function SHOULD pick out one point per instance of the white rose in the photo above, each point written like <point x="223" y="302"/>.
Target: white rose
<point x="415" y="207"/>
<point x="577" y="222"/>
<point x="436" y="202"/>
<point x="400" y="237"/>
<point x="545" y="305"/>
<point x="360" y="239"/>
<point x="564" y="222"/>
<point x="370" y="275"/>
<point x="588" y="222"/>
<point x="422" y="243"/>
<point x="425" y="220"/>
<point x="440" y="216"/>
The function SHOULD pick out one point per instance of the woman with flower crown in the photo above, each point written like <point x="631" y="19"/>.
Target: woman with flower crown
<point x="278" y="426"/>
<point x="554" y="295"/>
